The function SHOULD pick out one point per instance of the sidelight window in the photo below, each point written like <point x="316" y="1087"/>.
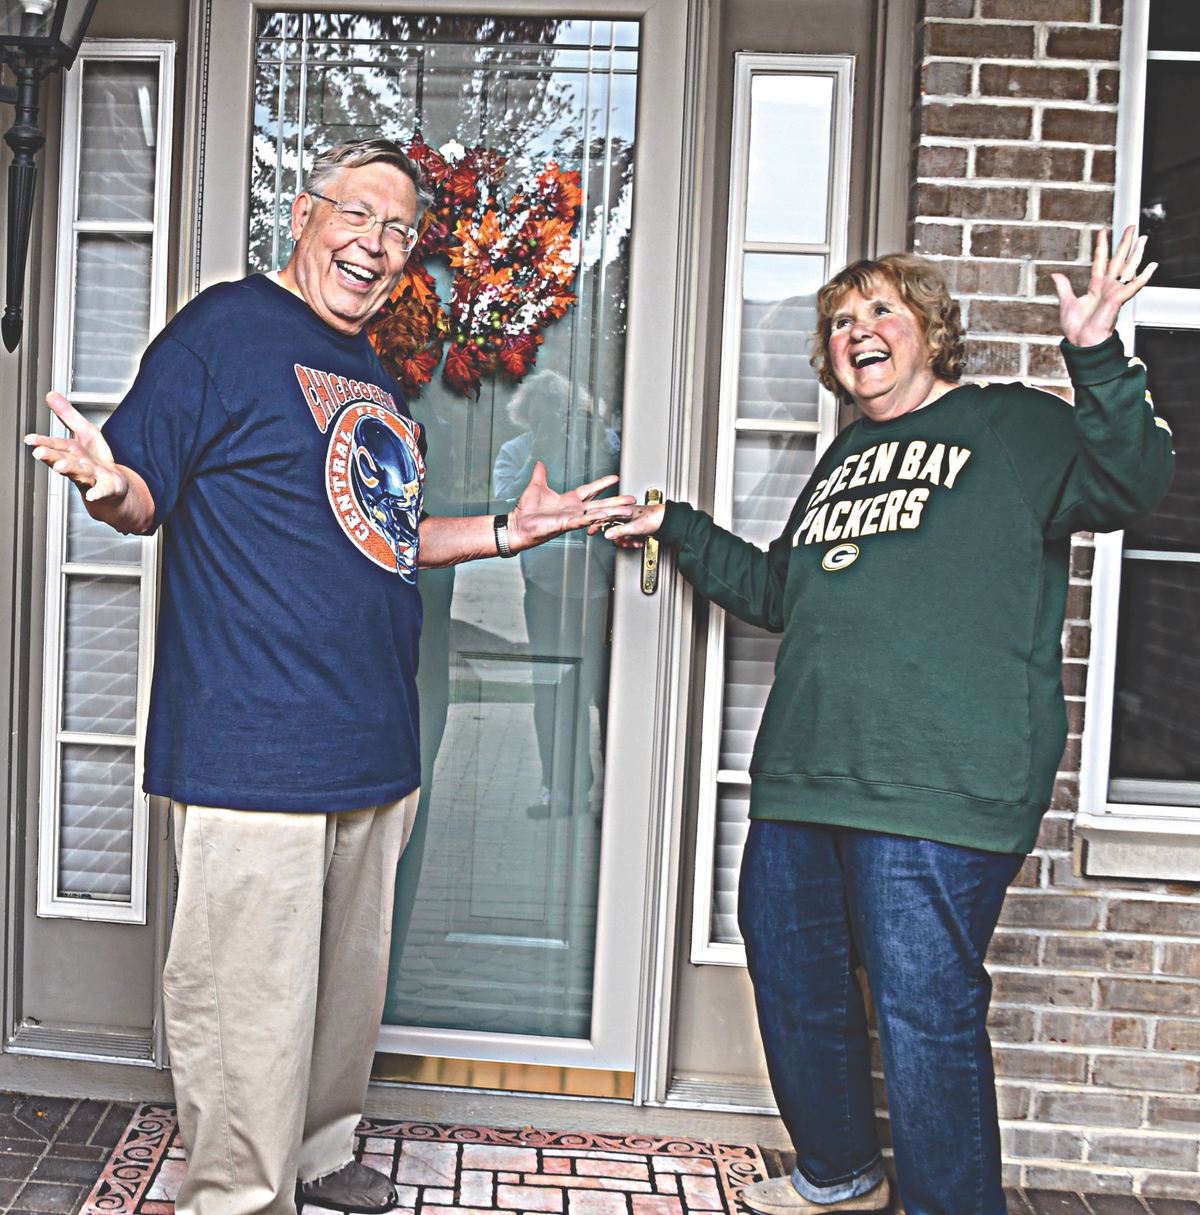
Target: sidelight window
<point x="100" y="586"/>
<point x="788" y="209"/>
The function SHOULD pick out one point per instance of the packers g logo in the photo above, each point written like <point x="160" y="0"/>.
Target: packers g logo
<point x="840" y="557"/>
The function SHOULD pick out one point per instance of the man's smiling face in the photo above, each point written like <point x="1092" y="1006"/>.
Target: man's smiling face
<point x="344" y="276"/>
<point x="879" y="352"/>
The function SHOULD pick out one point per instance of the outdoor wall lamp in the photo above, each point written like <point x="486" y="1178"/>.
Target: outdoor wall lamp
<point x="37" y="37"/>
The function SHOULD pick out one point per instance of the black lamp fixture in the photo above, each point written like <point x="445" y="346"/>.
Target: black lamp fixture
<point x="37" y="37"/>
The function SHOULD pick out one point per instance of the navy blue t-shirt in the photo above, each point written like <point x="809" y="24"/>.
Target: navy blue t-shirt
<point x="287" y="475"/>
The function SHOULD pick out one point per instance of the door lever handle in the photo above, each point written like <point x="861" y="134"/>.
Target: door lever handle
<point x="650" y="551"/>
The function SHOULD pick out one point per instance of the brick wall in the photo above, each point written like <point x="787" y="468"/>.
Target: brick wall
<point x="1096" y="1015"/>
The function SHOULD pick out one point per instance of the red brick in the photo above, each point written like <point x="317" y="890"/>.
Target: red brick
<point x="1036" y="10"/>
<point x="942" y="79"/>
<point x="1011" y="1025"/>
<point x="1179" y="959"/>
<point x="971" y="121"/>
<point x="987" y="359"/>
<point x="973" y="202"/>
<point x="1104" y="166"/>
<point x="987" y="277"/>
<point x="1040" y="241"/>
<point x="1055" y="834"/>
<point x="1078" y="641"/>
<point x="1075" y="43"/>
<point x="1140" y="1151"/>
<point x="1112" y="12"/>
<point x="1013" y="949"/>
<point x="1178" y="1035"/>
<point x="1077" y="206"/>
<point x="1088" y="1029"/>
<point x="1050" y="910"/>
<point x="1173" y="1114"/>
<point x="1013" y="1101"/>
<point x="1016" y="317"/>
<point x="1029" y="875"/>
<point x="1040" y="1178"/>
<point x="1099" y="953"/>
<point x="949" y="8"/>
<point x="979" y="41"/>
<point x="1147" y="995"/>
<point x="1079" y="126"/>
<point x="1108" y="87"/>
<point x="1142" y="1072"/>
<point x="1045" y="362"/>
<point x="1041" y="1143"/>
<point x="1144" y="915"/>
<point x="1061" y="1066"/>
<point x="1079" y="276"/>
<point x="1082" y="558"/>
<point x="1041" y="988"/>
<point x="1157" y="1186"/>
<point x="1054" y="84"/>
<point x="934" y="160"/>
<point x="1070" y="756"/>
<point x="1079" y="602"/>
<point x="1075" y="678"/>
<point x="938" y="240"/>
<point x="1028" y="163"/>
<point x="1087" y="1109"/>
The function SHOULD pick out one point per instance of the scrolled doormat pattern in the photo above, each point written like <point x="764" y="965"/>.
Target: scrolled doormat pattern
<point x="470" y="1170"/>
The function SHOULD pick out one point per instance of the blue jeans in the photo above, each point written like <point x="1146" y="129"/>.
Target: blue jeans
<point x="816" y="902"/>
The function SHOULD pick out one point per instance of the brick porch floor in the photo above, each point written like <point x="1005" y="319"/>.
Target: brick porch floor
<point x="52" y="1151"/>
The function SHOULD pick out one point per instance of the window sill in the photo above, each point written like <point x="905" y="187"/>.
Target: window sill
<point x="1138" y="846"/>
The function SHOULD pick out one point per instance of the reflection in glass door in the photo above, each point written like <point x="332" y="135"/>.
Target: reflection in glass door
<point x="496" y="898"/>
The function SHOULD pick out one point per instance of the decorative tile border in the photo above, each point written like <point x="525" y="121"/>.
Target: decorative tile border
<point x="472" y="1170"/>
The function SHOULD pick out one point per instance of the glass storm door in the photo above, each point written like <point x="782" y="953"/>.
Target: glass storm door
<point x="518" y="923"/>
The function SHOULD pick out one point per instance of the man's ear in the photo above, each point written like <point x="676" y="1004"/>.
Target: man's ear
<point x="301" y="209"/>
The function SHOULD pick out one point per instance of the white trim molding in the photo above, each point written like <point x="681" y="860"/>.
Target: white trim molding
<point x="52" y="900"/>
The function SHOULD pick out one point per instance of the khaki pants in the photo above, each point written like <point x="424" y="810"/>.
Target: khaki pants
<point x="273" y="993"/>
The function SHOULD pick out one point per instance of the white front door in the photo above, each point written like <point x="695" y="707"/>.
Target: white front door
<point x="521" y="921"/>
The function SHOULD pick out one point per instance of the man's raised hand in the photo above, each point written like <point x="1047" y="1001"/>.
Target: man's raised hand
<point x="1089" y="319"/>
<point x="541" y="513"/>
<point x="111" y="492"/>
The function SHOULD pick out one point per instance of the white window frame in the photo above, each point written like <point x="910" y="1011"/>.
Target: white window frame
<point x="1149" y="838"/>
<point x="712" y="777"/>
<point x="50" y="903"/>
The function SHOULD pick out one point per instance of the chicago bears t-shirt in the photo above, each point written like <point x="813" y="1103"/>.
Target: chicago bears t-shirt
<point x="287" y="478"/>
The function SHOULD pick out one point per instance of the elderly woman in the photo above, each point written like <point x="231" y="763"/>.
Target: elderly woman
<point x="908" y="748"/>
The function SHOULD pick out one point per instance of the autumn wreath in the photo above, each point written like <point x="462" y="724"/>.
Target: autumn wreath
<point x="514" y="263"/>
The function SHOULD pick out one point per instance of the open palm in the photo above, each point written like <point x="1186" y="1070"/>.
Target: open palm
<point x="541" y="513"/>
<point x="1089" y="319"/>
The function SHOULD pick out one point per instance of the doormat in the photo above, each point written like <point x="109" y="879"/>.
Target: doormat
<point x="464" y="1170"/>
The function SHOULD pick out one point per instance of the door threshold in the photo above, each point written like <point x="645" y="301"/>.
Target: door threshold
<point x="722" y="1097"/>
<point x="82" y="1045"/>
<point x="528" y="1079"/>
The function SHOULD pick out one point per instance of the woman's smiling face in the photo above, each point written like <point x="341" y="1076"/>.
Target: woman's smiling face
<point x="879" y="352"/>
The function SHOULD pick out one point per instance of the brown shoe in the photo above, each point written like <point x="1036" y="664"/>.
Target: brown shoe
<point x="777" y="1196"/>
<point x="352" y="1188"/>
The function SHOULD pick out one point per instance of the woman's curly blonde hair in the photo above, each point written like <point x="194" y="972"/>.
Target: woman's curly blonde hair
<point x="922" y="287"/>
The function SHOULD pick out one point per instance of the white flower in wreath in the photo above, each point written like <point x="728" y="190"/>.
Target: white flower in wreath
<point x="452" y="151"/>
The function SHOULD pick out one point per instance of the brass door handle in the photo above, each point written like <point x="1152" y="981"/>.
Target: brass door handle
<point x="650" y="551"/>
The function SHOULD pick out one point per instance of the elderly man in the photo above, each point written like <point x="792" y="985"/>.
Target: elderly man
<point x="909" y="744"/>
<point x="266" y="438"/>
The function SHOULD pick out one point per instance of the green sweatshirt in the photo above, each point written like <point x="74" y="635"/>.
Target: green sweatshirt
<point x="920" y="586"/>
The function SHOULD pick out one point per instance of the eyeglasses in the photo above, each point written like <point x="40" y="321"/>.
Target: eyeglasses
<point x="357" y="218"/>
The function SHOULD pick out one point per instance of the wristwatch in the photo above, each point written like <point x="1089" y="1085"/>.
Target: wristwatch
<point x="500" y="527"/>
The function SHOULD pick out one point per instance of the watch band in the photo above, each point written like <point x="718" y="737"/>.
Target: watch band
<point x="500" y="527"/>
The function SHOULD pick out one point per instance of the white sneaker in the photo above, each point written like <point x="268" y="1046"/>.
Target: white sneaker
<point x="777" y="1196"/>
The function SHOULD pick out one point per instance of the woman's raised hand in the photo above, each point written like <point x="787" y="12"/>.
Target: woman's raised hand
<point x="1089" y="319"/>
